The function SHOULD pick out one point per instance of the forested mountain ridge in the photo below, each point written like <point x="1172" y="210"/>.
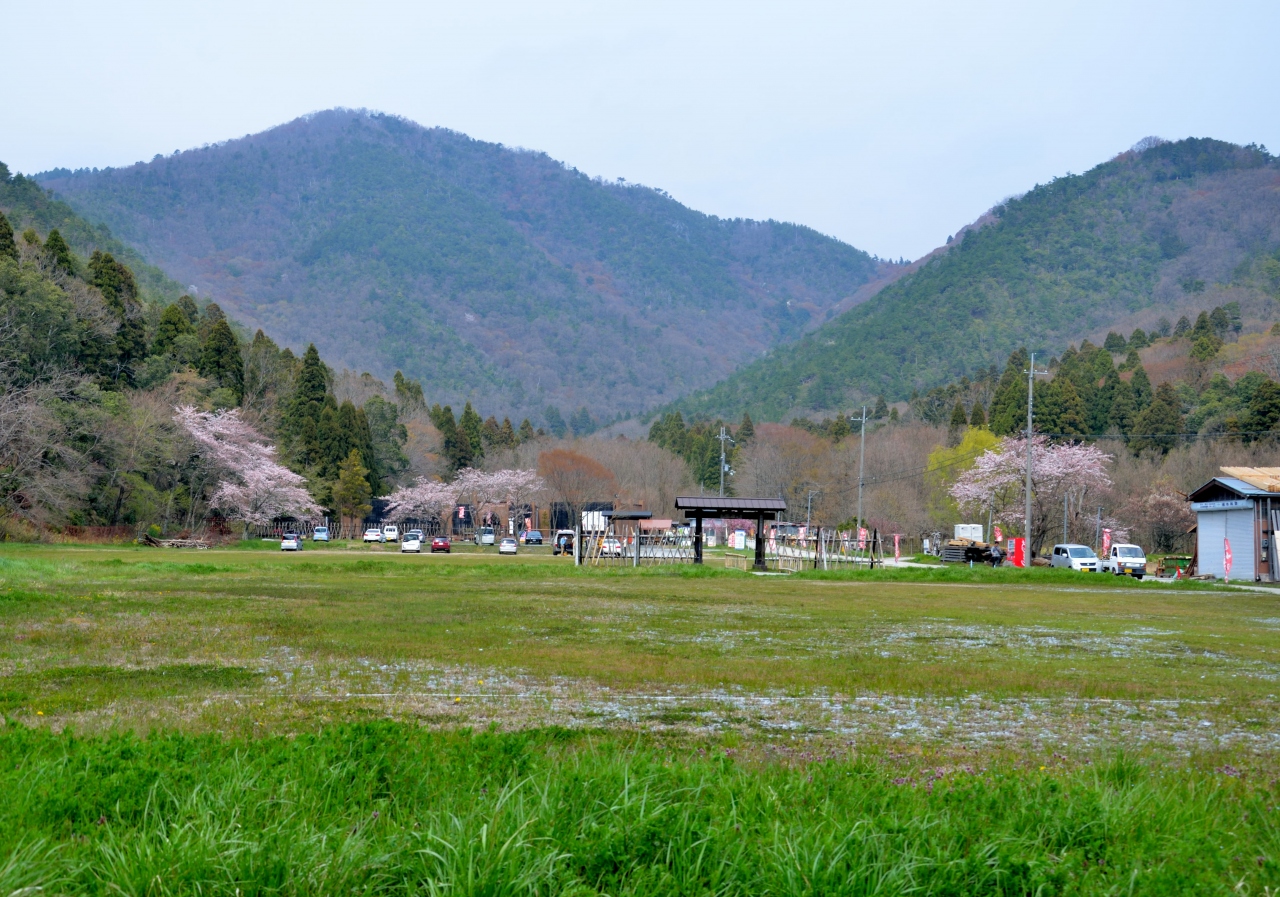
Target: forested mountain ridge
<point x="1160" y="230"/>
<point x="481" y="270"/>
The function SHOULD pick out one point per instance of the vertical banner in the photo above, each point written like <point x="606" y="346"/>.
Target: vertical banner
<point x="897" y="547"/>
<point x="1106" y="542"/>
<point x="862" y="538"/>
<point x="997" y="536"/>
<point x="1226" y="560"/>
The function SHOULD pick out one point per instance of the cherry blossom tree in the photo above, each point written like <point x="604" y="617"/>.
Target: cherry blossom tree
<point x="997" y="481"/>
<point x="253" y="487"/>
<point x="425" y="498"/>
<point x="512" y="488"/>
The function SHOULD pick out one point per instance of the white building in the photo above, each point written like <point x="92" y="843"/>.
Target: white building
<point x="1241" y="509"/>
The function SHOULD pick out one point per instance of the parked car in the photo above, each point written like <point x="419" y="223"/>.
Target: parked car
<point x="374" y="534"/>
<point x="291" y="542"/>
<point x="320" y="534"/>
<point x="508" y="545"/>
<point x="1125" y="558"/>
<point x="391" y="532"/>
<point x="485" y="535"/>
<point x="440" y="543"/>
<point x="411" y="543"/>
<point x="610" y="548"/>
<point x="415" y="534"/>
<point x="1074" y="557"/>
<point x="532" y="537"/>
<point x="563" y="543"/>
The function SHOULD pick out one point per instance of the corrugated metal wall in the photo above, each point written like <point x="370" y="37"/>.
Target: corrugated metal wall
<point x="1212" y="528"/>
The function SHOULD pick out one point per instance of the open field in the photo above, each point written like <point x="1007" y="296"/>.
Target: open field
<point x="246" y="641"/>
<point x="358" y="720"/>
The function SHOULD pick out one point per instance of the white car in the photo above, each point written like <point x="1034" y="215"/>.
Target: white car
<point x="1074" y="557"/>
<point x="610" y="548"/>
<point x="374" y="535"/>
<point x="391" y="532"/>
<point x="320" y="534"/>
<point x="485" y="535"/>
<point x="508" y="546"/>
<point x="1125" y="559"/>
<point x="291" y="542"/>
<point x="411" y="544"/>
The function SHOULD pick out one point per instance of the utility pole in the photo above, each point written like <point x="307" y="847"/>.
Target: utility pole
<point x="1097" y="533"/>
<point x="1065" y="498"/>
<point x="723" y="465"/>
<point x="862" y="455"/>
<point x="808" y="514"/>
<point x="1031" y="381"/>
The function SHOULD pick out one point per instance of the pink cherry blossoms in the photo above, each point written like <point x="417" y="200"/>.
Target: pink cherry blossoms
<point x="424" y="499"/>
<point x="997" y="481"/>
<point x="428" y="498"/>
<point x="252" y="486"/>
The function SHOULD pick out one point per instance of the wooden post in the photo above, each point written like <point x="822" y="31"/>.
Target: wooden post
<point x="697" y="536"/>
<point x="760" y="564"/>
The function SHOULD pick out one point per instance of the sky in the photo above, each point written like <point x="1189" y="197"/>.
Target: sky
<point x="888" y="125"/>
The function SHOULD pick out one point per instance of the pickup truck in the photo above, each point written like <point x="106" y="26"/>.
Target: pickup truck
<point x="1125" y="559"/>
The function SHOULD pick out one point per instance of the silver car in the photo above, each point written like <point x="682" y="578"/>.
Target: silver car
<point x="1074" y="557"/>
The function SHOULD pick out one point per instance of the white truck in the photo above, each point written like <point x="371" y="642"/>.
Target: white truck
<point x="1123" y="559"/>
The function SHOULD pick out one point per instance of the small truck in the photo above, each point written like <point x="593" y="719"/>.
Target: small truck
<point x="1125" y="559"/>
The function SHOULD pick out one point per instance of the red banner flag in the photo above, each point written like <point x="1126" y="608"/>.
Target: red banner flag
<point x="1106" y="542"/>
<point x="897" y="548"/>
<point x="998" y="536"/>
<point x="1226" y="560"/>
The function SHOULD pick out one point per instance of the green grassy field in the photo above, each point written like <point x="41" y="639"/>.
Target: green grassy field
<point x="900" y="719"/>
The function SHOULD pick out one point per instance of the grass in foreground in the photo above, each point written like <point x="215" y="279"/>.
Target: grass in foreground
<point x="393" y="809"/>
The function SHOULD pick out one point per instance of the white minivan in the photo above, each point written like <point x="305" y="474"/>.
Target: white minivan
<point x="1125" y="558"/>
<point x="1074" y="557"/>
<point x="485" y="535"/>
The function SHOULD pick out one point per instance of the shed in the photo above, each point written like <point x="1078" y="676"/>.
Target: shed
<point x="721" y="506"/>
<point x="1240" y="508"/>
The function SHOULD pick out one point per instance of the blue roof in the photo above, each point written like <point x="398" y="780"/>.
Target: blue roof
<point x="1238" y="486"/>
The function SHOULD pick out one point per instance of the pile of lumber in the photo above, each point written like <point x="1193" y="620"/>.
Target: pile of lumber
<point x="962" y="551"/>
<point x="148" y="539"/>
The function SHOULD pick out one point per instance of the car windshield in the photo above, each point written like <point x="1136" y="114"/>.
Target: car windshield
<point x="322" y="529"/>
<point x="534" y="534"/>
<point x="1130" y="551"/>
<point x="1080" y="551"/>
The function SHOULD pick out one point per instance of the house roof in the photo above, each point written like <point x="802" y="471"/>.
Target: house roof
<point x="1231" y="484"/>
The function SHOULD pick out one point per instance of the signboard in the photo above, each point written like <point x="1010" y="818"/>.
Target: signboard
<point x="592" y="522"/>
<point x="1232" y="505"/>
<point x="739" y="540"/>
<point x="1106" y="542"/>
<point x="862" y="538"/>
<point x="1226" y="560"/>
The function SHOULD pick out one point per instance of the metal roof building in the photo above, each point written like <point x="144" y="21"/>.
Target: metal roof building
<point x="1241" y="510"/>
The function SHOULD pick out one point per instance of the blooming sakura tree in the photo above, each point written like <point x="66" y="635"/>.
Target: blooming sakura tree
<point x="253" y="487"/>
<point x="997" y="481"/>
<point x="513" y="488"/>
<point x="425" y="498"/>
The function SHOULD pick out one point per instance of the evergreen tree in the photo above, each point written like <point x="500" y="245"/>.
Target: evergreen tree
<point x="173" y="324"/>
<point x="1141" y="388"/>
<point x="408" y="392"/>
<point x="456" y="445"/>
<point x="1048" y="406"/>
<point x="1264" y="411"/>
<point x="526" y="430"/>
<point x="120" y="290"/>
<point x="746" y="430"/>
<point x="882" y="409"/>
<point x="1099" y="410"/>
<point x="59" y="253"/>
<point x="581" y="422"/>
<point x="472" y="427"/>
<point x="1114" y="342"/>
<point x="555" y="422"/>
<point x="388" y="437"/>
<point x="491" y="433"/>
<point x="221" y="361"/>
<point x="508" y="436"/>
<point x="351" y="493"/>
<point x="1159" y="425"/>
<point x="188" y="306"/>
<point x="363" y="439"/>
<point x="1131" y="361"/>
<point x="333" y="440"/>
<point x="301" y="417"/>
<point x="1181" y="328"/>
<point x="1219" y="322"/>
<point x="959" y="420"/>
<point x="1139" y="339"/>
<point x="8" y="246"/>
<point x="1009" y="404"/>
<point x="1123" y="409"/>
<point x="1073" y="416"/>
<point x="893" y="415"/>
<point x="1202" y="327"/>
<point x="213" y="313"/>
<point x="977" y="418"/>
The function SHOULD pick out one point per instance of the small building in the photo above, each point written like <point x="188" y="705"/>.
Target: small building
<point x="1240" y="508"/>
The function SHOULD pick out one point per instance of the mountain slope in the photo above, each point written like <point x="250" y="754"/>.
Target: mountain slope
<point x="1152" y="233"/>
<point x="484" y="271"/>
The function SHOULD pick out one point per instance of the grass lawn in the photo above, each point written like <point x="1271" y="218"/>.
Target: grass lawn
<point x="816" y="733"/>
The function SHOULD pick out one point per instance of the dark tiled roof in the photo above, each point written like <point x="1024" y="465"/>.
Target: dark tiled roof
<point x="729" y="505"/>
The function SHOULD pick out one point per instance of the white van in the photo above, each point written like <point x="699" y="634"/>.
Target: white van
<point x="391" y="533"/>
<point x="1074" y="557"/>
<point x="484" y="535"/>
<point x="1125" y="558"/>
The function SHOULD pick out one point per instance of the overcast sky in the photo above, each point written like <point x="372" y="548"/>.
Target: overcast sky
<point x="888" y="124"/>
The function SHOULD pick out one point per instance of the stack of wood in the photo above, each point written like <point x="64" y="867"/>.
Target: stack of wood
<point x="148" y="539"/>
<point x="962" y="551"/>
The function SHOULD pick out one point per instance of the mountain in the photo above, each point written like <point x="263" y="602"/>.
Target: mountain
<point x="1161" y="230"/>
<point x="487" y="272"/>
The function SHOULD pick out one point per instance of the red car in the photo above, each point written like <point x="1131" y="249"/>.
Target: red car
<point x="440" y="543"/>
